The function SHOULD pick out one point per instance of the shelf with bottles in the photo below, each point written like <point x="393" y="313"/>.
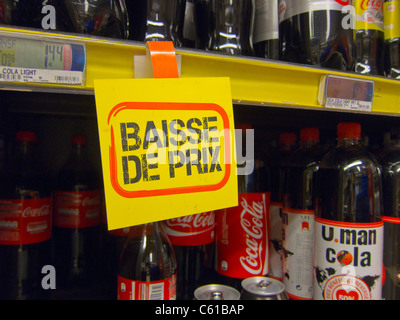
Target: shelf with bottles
<point x="254" y="81"/>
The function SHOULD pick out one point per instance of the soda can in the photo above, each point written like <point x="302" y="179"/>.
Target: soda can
<point x="263" y="288"/>
<point x="216" y="292"/>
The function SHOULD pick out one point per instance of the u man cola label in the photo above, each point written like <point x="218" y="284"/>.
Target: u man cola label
<point x="242" y="237"/>
<point x="348" y="261"/>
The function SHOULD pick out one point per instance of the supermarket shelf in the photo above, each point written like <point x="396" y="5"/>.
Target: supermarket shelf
<point x="254" y="81"/>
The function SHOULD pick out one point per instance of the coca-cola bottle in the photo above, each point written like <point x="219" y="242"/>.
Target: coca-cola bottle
<point x="369" y="37"/>
<point x="193" y="239"/>
<point x="266" y="29"/>
<point x="242" y="231"/>
<point x="275" y="158"/>
<point x="234" y="24"/>
<point x="316" y="33"/>
<point x="298" y="215"/>
<point x="348" y="247"/>
<point x="390" y="161"/>
<point x="25" y="223"/>
<point x="158" y="20"/>
<point x="77" y="219"/>
<point x="391" y="19"/>
<point x="107" y="18"/>
<point x="147" y="268"/>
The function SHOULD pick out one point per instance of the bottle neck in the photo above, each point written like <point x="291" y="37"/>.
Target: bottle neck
<point x="395" y="144"/>
<point x="308" y="144"/>
<point x="348" y="142"/>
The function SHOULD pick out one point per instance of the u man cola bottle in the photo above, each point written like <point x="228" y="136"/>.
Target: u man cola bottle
<point x="147" y="268"/>
<point x="193" y="240"/>
<point x="25" y="223"/>
<point x="390" y="161"/>
<point x="298" y="215"/>
<point x="77" y="219"/>
<point x="348" y="246"/>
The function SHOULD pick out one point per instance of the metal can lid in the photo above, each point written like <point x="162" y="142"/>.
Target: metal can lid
<point x="263" y="286"/>
<point x="216" y="292"/>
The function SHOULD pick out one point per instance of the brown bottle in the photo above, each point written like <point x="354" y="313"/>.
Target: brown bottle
<point x="147" y="268"/>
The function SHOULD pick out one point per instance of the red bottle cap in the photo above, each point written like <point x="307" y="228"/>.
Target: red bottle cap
<point x="349" y="130"/>
<point x="78" y="140"/>
<point x="287" y="138"/>
<point x="309" y="134"/>
<point x="29" y="136"/>
<point x="244" y="126"/>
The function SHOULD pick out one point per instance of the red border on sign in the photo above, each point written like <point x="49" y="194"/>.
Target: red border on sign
<point x="167" y="106"/>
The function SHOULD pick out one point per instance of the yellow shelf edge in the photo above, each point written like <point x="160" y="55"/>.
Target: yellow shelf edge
<point x="254" y="81"/>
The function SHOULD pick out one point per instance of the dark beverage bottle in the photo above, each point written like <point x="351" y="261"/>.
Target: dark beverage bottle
<point x="242" y="232"/>
<point x="266" y="29"/>
<point x="158" y="20"/>
<point x="313" y="32"/>
<point x="369" y="37"/>
<point x="234" y="24"/>
<point x="193" y="239"/>
<point x="77" y="220"/>
<point x="390" y="161"/>
<point x="348" y="229"/>
<point x="189" y="33"/>
<point x="391" y="17"/>
<point x="25" y="223"/>
<point x="106" y="18"/>
<point x="147" y="268"/>
<point x="275" y="158"/>
<point x="298" y="215"/>
<point x="204" y="20"/>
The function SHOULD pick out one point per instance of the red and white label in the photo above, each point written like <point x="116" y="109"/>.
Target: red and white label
<point x="242" y="237"/>
<point x="192" y="230"/>
<point x="348" y="260"/>
<point x="77" y="209"/>
<point x="147" y="290"/>
<point x="25" y="221"/>
<point x="297" y="252"/>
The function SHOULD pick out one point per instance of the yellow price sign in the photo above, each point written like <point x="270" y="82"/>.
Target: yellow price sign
<point x="167" y="148"/>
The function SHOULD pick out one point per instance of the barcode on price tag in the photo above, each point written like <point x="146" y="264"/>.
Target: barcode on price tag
<point x="344" y="93"/>
<point x="13" y="74"/>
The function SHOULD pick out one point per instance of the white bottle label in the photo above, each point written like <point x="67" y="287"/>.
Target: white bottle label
<point x="266" y="22"/>
<point x="290" y="8"/>
<point x="348" y="261"/>
<point x="297" y="253"/>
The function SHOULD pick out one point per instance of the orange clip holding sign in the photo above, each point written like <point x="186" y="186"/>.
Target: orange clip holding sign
<point x="163" y="59"/>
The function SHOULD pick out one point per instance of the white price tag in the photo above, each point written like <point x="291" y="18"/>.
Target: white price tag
<point x="41" y="61"/>
<point x="344" y="93"/>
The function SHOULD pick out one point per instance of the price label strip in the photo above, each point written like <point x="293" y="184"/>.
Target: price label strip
<point x="337" y="92"/>
<point x="39" y="61"/>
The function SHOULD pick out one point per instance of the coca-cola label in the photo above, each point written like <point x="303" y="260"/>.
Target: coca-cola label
<point x="297" y="252"/>
<point x="348" y="260"/>
<point x="291" y="8"/>
<point x="242" y="237"/>
<point x="391" y="13"/>
<point x="77" y="209"/>
<point x="192" y="230"/>
<point x="369" y="14"/>
<point x="147" y="290"/>
<point x="25" y="221"/>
